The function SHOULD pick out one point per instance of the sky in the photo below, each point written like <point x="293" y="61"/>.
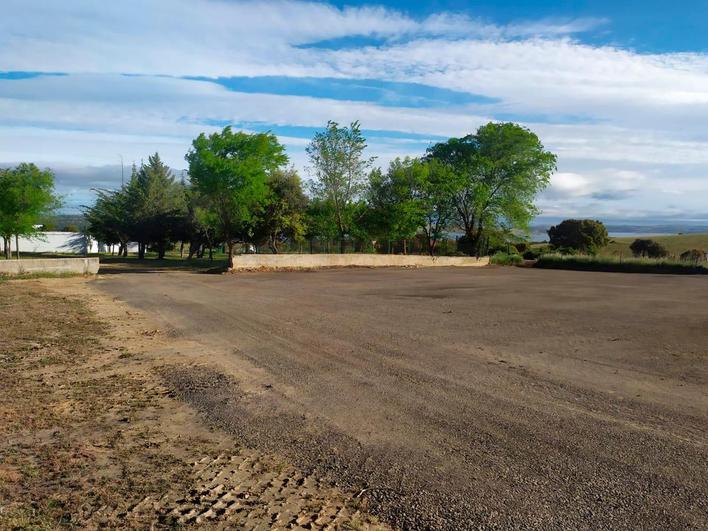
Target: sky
<point x="617" y="89"/>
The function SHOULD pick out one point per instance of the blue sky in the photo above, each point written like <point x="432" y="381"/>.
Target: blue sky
<point x="619" y="90"/>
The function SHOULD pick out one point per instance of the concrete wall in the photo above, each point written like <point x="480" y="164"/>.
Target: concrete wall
<point x="85" y="266"/>
<point x="56" y="242"/>
<point x="314" y="261"/>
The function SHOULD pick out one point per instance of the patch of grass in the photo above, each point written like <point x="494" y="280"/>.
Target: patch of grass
<point x="30" y="276"/>
<point x="619" y="264"/>
<point x="674" y="244"/>
<point x="506" y="259"/>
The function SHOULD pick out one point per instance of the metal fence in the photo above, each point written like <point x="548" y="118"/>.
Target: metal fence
<point x="444" y="247"/>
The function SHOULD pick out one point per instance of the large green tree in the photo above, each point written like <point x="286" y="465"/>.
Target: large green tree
<point x="109" y="220"/>
<point x="26" y="197"/>
<point x="157" y="205"/>
<point x="412" y="195"/>
<point x="436" y="194"/>
<point x="498" y="172"/>
<point x="284" y="211"/>
<point x="340" y="169"/>
<point x="395" y="208"/>
<point x="584" y="235"/>
<point x="230" y="170"/>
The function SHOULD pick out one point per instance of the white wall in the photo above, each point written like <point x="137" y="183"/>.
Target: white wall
<point x="314" y="261"/>
<point x="56" y="242"/>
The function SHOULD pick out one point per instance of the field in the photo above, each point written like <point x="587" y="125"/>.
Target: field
<point x="675" y="244"/>
<point x="426" y="399"/>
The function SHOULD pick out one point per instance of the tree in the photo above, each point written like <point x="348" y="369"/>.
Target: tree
<point x="109" y="220"/>
<point x="693" y="255"/>
<point x="157" y="205"/>
<point x="498" y="171"/>
<point x="26" y="196"/>
<point x="283" y="214"/>
<point x="648" y="248"/>
<point x="230" y="171"/>
<point x="340" y="169"/>
<point x="199" y="226"/>
<point x="395" y="209"/>
<point x="584" y="235"/>
<point x="436" y="193"/>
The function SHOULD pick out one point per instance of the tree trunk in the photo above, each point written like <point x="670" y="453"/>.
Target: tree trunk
<point x="17" y="245"/>
<point x="161" y="251"/>
<point x="181" y="250"/>
<point x="141" y="251"/>
<point x="8" y="248"/>
<point x="193" y="248"/>
<point x="405" y="247"/>
<point x="211" y="253"/>
<point x="231" y="254"/>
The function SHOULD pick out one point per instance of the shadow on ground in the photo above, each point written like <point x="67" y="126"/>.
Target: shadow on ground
<point x="115" y="265"/>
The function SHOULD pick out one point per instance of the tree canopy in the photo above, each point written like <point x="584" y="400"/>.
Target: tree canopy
<point x="648" y="248"/>
<point x="339" y="168"/>
<point x="483" y="185"/>
<point x="283" y="213"/>
<point x="230" y="171"/>
<point x="496" y="173"/>
<point x="156" y="202"/>
<point x="585" y="235"/>
<point x="26" y="197"/>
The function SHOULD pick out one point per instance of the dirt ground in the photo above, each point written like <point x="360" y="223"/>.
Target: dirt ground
<point x="454" y="398"/>
<point x="90" y="437"/>
<point x="428" y="399"/>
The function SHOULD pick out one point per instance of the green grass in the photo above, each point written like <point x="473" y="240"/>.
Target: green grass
<point x="619" y="265"/>
<point x="675" y="244"/>
<point x="30" y="276"/>
<point x="506" y="259"/>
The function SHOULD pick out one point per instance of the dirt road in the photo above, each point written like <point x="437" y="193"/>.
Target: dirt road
<point x="455" y="399"/>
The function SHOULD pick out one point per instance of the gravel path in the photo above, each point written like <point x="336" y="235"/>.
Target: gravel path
<point x="456" y="399"/>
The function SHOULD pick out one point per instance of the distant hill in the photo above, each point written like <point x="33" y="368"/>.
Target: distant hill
<point x="61" y="222"/>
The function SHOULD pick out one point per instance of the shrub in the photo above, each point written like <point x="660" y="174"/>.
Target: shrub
<point x="693" y="255"/>
<point x="502" y="258"/>
<point x="583" y="235"/>
<point x="522" y="247"/>
<point x="648" y="248"/>
<point x="530" y="255"/>
<point x="616" y="264"/>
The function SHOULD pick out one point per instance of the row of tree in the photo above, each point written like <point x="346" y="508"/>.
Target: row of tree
<point x="240" y="189"/>
<point x="26" y="197"/>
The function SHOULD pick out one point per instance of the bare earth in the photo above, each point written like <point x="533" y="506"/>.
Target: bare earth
<point x="90" y="437"/>
<point x="454" y="398"/>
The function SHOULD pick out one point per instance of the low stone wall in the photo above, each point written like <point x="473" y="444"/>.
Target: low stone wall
<point x="81" y="266"/>
<point x="318" y="261"/>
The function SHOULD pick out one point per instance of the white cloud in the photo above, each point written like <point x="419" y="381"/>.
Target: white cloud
<point x="635" y="123"/>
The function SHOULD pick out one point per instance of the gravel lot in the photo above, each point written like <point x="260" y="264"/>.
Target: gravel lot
<point x="455" y="399"/>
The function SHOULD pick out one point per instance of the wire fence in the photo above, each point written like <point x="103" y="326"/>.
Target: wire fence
<point x="414" y="246"/>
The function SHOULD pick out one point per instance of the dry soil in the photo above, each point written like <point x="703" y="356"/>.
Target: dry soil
<point x="455" y="398"/>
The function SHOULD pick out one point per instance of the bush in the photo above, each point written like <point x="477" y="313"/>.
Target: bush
<point x="615" y="264"/>
<point x="648" y="248"/>
<point x="530" y="255"/>
<point x="522" y="247"/>
<point x="502" y="258"/>
<point x="585" y="235"/>
<point x="693" y="255"/>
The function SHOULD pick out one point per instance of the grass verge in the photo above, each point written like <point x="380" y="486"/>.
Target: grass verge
<point x="619" y="265"/>
<point x="31" y="276"/>
<point x="506" y="259"/>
